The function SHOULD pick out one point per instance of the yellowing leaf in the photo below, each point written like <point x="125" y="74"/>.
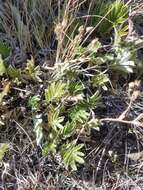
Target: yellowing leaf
<point x="3" y="149"/>
<point x="5" y="91"/>
<point x="2" y="67"/>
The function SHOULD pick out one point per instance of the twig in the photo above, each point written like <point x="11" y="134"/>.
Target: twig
<point x="121" y="119"/>
<point x="139" y="117"/>
<point x="24" y="132"/>
<point x="123" y="115"/>
<point x="133" y="122"/>
<point x="19" y="89"/>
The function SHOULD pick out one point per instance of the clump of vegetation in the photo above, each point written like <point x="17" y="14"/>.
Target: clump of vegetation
<point x="85" y="54"/>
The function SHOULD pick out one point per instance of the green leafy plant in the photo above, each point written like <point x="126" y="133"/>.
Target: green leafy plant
<point x="5" y="49"/>
<point x="34" y="103"/>
<point x="72" y="154"/>
<point x="71" y="90"/>
<point x="68" y="129"/>
<point x="31" y="71"/>
<point x="50" y="146"/>
<point x="55" y="91"/>
<point x="100" y="80"/>
<point x="109" y="15"/>
<point x="54" y="119"/>
<point x="74" y="90"/>
<point x="14" y="73"/>
<point x="9" y="70"/>
<point x="79" y="114"/>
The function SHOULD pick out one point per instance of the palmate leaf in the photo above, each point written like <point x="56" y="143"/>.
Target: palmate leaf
<point x="100" y="80"/>
<point x="54" y="119"/>
<point x="72" y="155"/>
<point x="110" y="14"/>
<point x="119" y="12"/>
<point x="75" y="88"/>
<point x="55" y="91"/>
<point x="34" y="103"/>
<point x="93" y="100"/>
<point x="79" y="114"/>
<point x="10" y="71"/>
<point x="68" y="129"/>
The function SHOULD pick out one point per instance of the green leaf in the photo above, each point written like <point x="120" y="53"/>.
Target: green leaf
<point x="80" y="51"/>
<point x="3" y="149"/>
<point x="94" y="99"/>
<point x="31" y="71"/>
<point x="68" y="129"/>
<point x="34" y="103"/>
<point x="79" y="114"/>
<point x="100" y="80"/>
<point x="109" y="15"/>
<point x="54" y="119"/>
<point x="49" y="147"/>
<point x="75" y="88"/>
<point x="55" y="91"/>
<point x="5" y="49"/>
<point x="2" y="67"/>
<point x="13" y="72"/>
<point x="72" y="154"/>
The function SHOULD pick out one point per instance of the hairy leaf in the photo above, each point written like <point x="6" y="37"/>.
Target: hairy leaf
<point x="55" y="91"/>
<point x="72" y="154"/>
<point x="38" y="128"/>
<point x="54" y="119"/>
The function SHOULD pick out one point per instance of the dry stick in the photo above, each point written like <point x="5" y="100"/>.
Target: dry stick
<point x="24" y="132"/>
<point x="100" y="162"/>
<point x="121" y="118"/>
<point x="123" y="115"/>
<point x="139" y="117"/>
<point x="133" y="122"/>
